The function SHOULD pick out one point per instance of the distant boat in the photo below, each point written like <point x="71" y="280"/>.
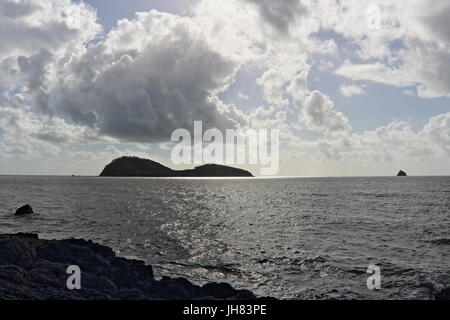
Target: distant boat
<point x="401" y="173"/>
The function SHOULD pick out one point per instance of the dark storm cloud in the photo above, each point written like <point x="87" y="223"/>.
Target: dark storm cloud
<point x="438" y="22"/>
<point x="34" y="74"/>
<point x="144" y="91"/>
<point x="280" y="14"/>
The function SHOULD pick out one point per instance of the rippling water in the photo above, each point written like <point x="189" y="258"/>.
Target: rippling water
<point x="288" y="238"/>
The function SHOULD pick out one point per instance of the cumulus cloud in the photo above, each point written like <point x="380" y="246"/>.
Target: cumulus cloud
<point x="319" y="114"/>
<point x="411" y="48"/>
<point x="298" y="88"/>
<point x="280" y="14"/>
<point x="379" y="150"/>
<point x="149" y="77"/>
<point x="22" y="125"/>
<point x="29" y="26"/>
<point x="274" y="35"/>
<point x="349" y="90"/>
<point x="38" y="37"/>
<point x="437" y="132"/>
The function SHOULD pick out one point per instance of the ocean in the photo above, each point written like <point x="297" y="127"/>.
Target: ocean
<point x="290" y="238"/>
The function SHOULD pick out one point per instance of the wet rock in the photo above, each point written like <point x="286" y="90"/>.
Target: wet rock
<point x="131" y="294"/>
<point x="32" y="268"/>
<point x="443" y="294"/>
<point x="100" y="284"/>
<point x="225" y="291"/>
<point x="26" y="209"/>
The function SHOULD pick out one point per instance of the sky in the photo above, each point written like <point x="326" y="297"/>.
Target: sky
<point x="355" y="87"/>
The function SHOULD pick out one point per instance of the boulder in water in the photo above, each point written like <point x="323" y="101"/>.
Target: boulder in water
<point x="401" y="173"/>
<point x="26" y="209"/>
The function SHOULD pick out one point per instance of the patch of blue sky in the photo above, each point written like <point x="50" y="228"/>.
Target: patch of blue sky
<point x="380" y="104"/>
<point x="110" y="11"/>
<point x="245" y="93"/>
<point x="17" y="90"/>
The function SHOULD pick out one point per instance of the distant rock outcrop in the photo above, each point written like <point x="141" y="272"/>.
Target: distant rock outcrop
<point x="137" y="167"/>
<point x="31" y="268"/>
<point x="401" y="173"/>
<point x="26" y="209"/>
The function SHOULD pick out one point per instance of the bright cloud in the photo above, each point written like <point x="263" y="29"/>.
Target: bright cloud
<point x="349" y="90"/>
<point x="319" y="114"/>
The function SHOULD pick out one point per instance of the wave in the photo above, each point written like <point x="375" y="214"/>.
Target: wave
<point x="440" y="241"/>
<point x="223" y="268"/>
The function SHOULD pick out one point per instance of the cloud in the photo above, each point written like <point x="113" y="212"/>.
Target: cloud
<point x="149" y="77"/>
<point x="435" y="20"/>
<point x="376" y="72"/>
<point x="411" y="48"/>
<point x="64" y="83"/>
<point x="379" y="150"/>
<point x="243" y="96"/>
<point x="35" y="75"/>
<point x="29" y="26"/>
<point x="349" y="90"/>
<point x="38" y="37"/>
<point x="275" y="36"/>
<point x="33" y="144"/>
<point x="410" y="93"/>
<point x="19" y="125"/>
<point x="298" y="88"/>
<point x="437" y="132"/>
<point x="280" y="14"/>
<point x="318" y="114"/>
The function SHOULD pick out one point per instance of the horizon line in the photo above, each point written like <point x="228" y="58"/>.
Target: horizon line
<point x="187" y="178"/>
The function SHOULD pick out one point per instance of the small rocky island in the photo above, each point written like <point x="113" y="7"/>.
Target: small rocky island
<point x="401" y="173"/>
<point x="26" y="209"/>
<point x="37" y="269"/>
<point x="138" y="167"/>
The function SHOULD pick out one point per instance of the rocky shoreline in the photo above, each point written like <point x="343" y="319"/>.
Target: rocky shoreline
<point x="38" y="269"/>
<point x="33" y="268"/>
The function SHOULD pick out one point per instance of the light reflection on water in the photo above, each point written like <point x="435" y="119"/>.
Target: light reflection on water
<point x="289" y="238"/>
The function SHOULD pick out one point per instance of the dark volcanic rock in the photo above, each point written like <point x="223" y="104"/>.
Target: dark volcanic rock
<point x="401" y="173"/>
<point x="31" y="268"/>
<point x="26" y="209"/>
<point x="444" y="294"/>
<point x="137" y="167"/>
<point x="225" y="291"/>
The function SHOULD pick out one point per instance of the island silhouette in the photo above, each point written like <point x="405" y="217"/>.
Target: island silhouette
<point x="137" y="167"/>
<point x="401" y="173"/>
